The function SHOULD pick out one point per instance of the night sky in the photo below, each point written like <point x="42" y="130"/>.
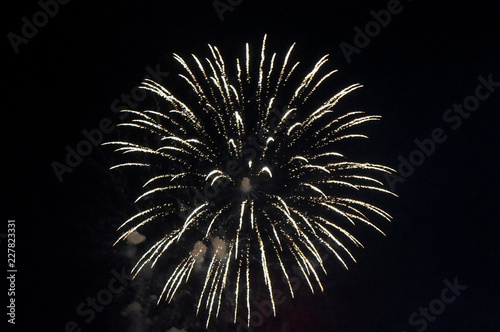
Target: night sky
<point x="431" y="71"/>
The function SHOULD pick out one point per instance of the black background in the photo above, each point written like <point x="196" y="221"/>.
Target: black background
<point x="428" y="57"/>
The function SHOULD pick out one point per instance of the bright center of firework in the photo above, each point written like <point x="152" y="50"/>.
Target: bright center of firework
<point x="245" y="185"/>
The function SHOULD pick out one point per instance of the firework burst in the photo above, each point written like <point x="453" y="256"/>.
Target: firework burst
<point x="271" y="183"/>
